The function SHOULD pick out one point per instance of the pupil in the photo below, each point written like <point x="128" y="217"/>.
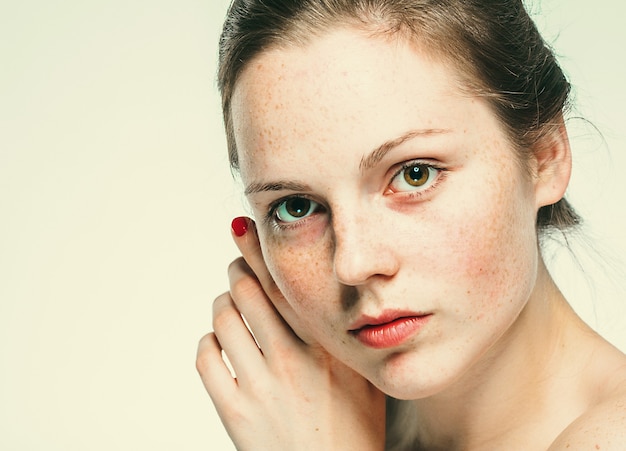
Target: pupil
<point x="298" y="207"/>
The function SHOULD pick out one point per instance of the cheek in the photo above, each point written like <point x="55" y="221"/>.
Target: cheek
<point x="495" y="251"/>
<point x="300" y="269"/>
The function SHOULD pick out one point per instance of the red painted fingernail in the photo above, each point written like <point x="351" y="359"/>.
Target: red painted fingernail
<point x="240" y="226"/>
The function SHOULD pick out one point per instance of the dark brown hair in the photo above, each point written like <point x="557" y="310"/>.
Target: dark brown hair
<point x="493" y="43"/>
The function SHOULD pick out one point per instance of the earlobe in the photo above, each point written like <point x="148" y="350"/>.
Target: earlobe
<point x="553" y="160"/>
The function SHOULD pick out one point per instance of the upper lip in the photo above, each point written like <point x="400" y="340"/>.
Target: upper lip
<point x="385" y="317"/>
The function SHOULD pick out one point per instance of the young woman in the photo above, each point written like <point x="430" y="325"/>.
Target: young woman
<point x="402" y="159"/>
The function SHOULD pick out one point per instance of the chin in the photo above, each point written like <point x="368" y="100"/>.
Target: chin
<point x="405" y="377"/>
<point x="409" y="391"/>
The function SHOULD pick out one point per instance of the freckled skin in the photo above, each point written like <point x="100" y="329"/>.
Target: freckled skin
<point x="474" y="234"/>
<point x="465" y="251"/>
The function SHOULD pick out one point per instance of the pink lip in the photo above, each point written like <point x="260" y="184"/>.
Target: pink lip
<point x="389" y="329"/>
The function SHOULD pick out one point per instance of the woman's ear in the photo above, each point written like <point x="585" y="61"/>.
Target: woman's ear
<point x="553" y="166"/>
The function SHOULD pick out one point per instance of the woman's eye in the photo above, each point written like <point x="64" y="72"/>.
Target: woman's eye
<point x="295" y="209"/>
<point x="414" y="177"/>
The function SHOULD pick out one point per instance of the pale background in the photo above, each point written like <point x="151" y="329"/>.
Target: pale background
<point x="116" y="199"/>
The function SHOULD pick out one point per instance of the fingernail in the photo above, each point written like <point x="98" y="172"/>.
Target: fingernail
<point x="240" y="226"/>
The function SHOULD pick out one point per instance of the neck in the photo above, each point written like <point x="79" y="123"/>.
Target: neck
<point x="522" y="386"/>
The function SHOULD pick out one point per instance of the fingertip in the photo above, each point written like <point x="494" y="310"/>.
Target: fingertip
<point x="240" y="226"/>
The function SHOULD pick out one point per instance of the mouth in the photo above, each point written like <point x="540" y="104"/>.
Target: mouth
<point x="389" y="329"/>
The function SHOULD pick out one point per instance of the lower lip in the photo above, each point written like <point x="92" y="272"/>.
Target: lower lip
<point x="391" y="334"/>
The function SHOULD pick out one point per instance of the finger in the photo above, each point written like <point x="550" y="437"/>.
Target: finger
<point x="246" y="239"/>
<point x="235" y="339"/>
<point x="214" y="373"/>
<point x="266" y="323"/>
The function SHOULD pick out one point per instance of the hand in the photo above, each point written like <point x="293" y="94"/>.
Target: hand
<point x="288" y="393"/>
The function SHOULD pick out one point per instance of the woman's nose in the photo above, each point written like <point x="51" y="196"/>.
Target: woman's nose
<point x="363" y="251"/>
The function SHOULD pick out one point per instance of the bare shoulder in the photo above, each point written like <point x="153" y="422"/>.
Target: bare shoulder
<point x="603" y="426"/>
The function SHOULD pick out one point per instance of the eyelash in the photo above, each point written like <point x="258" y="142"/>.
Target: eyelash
<point x="271" y="215"/>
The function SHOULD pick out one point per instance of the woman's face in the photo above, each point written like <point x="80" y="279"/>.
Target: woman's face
<point x="391" y="208"/>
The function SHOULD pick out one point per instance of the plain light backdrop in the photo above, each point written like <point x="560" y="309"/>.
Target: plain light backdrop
<point x="116" y="201"/>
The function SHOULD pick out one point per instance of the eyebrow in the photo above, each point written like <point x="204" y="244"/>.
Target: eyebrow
<point x="275" y="186"/>
<point x="367" y="162"/>
<point x="373" y="158"/>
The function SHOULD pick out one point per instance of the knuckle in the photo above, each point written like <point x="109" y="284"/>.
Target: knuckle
<point x="223" y="321"/>
<point x="246" y="287"/>
<point x="235" y="414"/>
<point x="202" y="364"/>
<point x="224" y="312"/>
<point x="205" y="341"/>
<point x="221" y="302"/>
<point x="237" y="264"/>
<point x="288" y="357"/>
<point x="203" y="356"/>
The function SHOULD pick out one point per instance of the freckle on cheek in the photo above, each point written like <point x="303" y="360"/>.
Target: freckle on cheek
<point x="296" y="273"/>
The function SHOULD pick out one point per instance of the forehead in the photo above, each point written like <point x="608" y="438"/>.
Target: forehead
<point x="345" y="90"/>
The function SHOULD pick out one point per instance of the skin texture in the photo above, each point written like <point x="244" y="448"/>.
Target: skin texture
<point x="502" y="360"/>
